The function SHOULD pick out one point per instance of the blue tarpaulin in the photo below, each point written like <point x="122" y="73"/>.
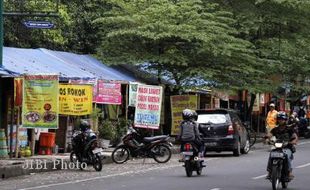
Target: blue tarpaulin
<point x="19" y="61"/>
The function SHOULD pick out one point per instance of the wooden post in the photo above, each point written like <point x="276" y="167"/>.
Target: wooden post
<point x="66" y="133"/>
<point x="11" y="126"/>
<point x="126" y="101"/>
<point x="17" y="132"/>
<point x="33" y="141"/>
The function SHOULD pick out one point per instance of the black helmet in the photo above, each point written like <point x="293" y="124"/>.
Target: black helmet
<point x="187" y="114"/>
<point x="84" y="125"/>
<point x="282" y="116"/>
<point x="195" y="115"/>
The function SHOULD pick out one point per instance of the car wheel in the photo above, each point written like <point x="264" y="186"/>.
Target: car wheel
<point x="246" y="147"/>
<point x="237" y="150"/>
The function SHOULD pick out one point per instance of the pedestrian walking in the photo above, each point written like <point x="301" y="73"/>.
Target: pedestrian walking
<point x="271" y="120"/>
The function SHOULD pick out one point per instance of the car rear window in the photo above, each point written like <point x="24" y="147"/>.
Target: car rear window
<point x="212" y="118"/>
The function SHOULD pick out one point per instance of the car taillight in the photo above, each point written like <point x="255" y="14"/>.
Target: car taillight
<point x="187" y="147"/>
<point x="230" y="130"/>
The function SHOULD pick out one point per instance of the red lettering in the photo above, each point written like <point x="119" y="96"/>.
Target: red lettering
<point x="153" y="107"/>
<point x="141" y="106"/>
<point x="153" y="99"/>
<point x="142" y="98"/>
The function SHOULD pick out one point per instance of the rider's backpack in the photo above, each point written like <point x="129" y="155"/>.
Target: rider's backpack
<point x="187" y="131"/>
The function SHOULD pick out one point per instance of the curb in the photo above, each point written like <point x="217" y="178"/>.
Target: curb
<point x="18" y="168"/>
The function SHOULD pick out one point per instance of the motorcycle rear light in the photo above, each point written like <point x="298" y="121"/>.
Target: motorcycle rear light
<point x="187" y="147"/>
<point x="230" y="130"/>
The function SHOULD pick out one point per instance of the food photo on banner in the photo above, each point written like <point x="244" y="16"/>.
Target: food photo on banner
<point x="148" y="106"/>
<point x="75" y="99"/>
<point x="40" y="101"/>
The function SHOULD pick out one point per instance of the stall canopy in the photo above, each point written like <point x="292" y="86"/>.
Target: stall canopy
<point x="19" y="61"/>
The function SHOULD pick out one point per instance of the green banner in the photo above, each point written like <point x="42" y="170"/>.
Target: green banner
<point x="40" y="101"/>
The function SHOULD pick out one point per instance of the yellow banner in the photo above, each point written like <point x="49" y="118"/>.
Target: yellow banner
<point x="178" y="104"/>
<point x="75" y="99"/>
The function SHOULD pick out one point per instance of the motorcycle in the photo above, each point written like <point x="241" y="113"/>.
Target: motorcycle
<point x="279" y="169"/>
<point x="91" y="154"/>
<point x="191" y="160"/>
<point x="157" y="147"/>
<point x="303" y="128"/>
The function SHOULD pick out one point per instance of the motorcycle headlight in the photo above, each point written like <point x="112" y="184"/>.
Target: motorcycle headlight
<point x="278" y="145"/>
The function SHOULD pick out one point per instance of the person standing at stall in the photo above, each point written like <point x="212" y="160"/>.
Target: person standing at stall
<point x="271" y="120"/>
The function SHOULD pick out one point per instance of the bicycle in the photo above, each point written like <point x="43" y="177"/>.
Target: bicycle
<point x="251" y="135"/>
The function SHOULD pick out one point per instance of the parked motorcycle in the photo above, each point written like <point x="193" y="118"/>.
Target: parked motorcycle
<point x="279" y="166"/>
<point x="134" y="145"/>
<point x="191" y="160"/>
<point x="86" y="150"/>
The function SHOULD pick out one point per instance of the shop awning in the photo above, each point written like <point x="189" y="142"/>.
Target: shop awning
<point x="68" y="65"/>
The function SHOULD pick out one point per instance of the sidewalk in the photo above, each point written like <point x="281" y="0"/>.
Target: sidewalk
<point x="45" y="163"/>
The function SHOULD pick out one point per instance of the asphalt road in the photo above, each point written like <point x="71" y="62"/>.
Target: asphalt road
<point x="223" y="172"/>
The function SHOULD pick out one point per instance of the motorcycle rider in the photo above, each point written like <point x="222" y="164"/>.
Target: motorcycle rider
<point x="189" y="131"/>
<point x="286" y="133"/>
<point x="82" y="138"/>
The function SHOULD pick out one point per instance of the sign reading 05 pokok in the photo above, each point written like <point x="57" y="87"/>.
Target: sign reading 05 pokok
<point x="75" y="99"/>
<point x="40" y="101"/>
<point x="148" y="106"/>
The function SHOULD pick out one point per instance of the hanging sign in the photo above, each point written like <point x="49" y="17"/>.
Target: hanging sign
<point x="38" y="24"/>
<point x="109" y="93"/>
<point x="148" y="106"/>
<point x="92" y="82"/>
<point x="75" y="99"/>
<point x="40" y="101"/>
<point x="178" y="104"/>
<point x="133" y="86"/>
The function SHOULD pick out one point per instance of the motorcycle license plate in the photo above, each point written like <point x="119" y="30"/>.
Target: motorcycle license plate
<point x="211" y="144"/>
<point x="97" y="150"/>
<point x="188" y="153"/>
<point x="276" y="154"/>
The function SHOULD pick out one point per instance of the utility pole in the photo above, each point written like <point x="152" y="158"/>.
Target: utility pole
<point x="1" y="58"/>
<point x="1" y="32"/>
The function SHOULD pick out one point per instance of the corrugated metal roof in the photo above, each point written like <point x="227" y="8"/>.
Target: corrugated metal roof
<point x="67" y="65"/>
<point x="92" y="65"/>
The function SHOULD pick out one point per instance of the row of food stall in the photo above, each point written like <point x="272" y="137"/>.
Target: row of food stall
<point x="46" y="91"/>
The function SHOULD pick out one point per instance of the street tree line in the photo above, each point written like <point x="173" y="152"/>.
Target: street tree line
<point x="258" y="45"/>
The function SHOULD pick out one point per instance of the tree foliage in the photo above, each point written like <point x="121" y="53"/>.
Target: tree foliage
<point x="194" y="41"/>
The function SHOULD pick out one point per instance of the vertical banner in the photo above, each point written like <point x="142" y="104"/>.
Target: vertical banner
<point x="216" y="103"/>
<point x="256" y="103"/>
<point x="262" y="99"/>
<point x="18" y="91"/>
<point x="109" y="93"/>
<point x="178" y="104"/>
<point x="133" y="86"/>
<point x="148" y="107"/>
<point x="40" y="101"/>
<point x="75" y="99"/>
<point x="92" y="82"/>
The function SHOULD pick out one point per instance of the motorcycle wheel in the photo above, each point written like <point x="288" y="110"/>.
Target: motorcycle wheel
<point x="97" y="164"/>
<point x="75" y="160"/>
<point x="73" y="157"/>
<point x="120" y="155"/>
<point x="199" y="170"/>
<point x="307" y="134"/>
<point x="188" y="168"/>
<point x="275" y="178"/>
<point x="284" y="184"/>
<point x="162" y="153"/>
